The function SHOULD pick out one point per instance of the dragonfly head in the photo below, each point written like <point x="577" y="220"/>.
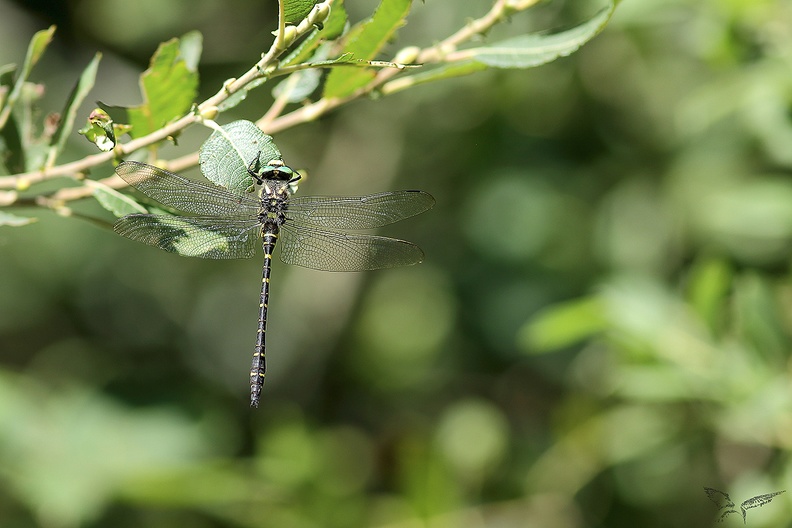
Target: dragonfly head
<point x="276" y="173"/>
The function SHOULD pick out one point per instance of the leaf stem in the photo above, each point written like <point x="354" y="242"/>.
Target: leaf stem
<point x="272" y="122"/>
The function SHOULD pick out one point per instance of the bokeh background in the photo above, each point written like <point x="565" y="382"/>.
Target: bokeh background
<point x="600" y="330"/>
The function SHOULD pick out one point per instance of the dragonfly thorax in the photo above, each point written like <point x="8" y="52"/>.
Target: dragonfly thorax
<point x="274" y="200"/>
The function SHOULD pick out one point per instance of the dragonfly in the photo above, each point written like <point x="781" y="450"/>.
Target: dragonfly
<point x="318" y="232"/>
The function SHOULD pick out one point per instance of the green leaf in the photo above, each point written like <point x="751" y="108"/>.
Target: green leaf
<point x="241" y="95"/>
<point x="298" y="85"/>
<point x="295" y="10"/>
<point x="169" y="87"/>
<point x="69" y="114"/>
<point x="364" y="42"/>
<point x="190" y="48"/>
<point x="528" y="51"/>
<point x="333" y="27"/>
<point x="563" y="325"/>
<point x="6" y="81"/>
<point x="186" y="247"/>
<point x="183" y="239"/>
<point x="227" y="154"/>
<point x="442" y="72"/>
<point x="38" y="44"/>
<point x="100" y="130"/>
<point x="12" y="154"/>
<point x="75" y="474"/>
<point x="117" y="203"/>
<point x="709" y="286"/>
<point x="8" y="219"/>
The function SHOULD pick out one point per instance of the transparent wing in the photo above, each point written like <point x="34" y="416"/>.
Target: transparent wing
<point x="193" y="236"/>
<point x="332" y="251"/>
<point x="722" y="500"/>
<point x="184" y="194"/>
<point x="357" y="212"/>
<point x="759" y="500"/>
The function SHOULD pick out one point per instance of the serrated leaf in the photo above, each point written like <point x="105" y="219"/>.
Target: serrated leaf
<point x="38" y="44"/>
<point x="528" y="51"/>
<point x="364" y="42"/>
<point x="225" y="157"/>
<point x="69" y="113"/>
<point x="295" y="10"/>
<point x="117" y="203"/>
<point x="169" y="87"/>
<point x="11" y="220"/>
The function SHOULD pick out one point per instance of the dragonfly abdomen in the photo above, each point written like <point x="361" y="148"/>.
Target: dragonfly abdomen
<point x="258" y="367"/>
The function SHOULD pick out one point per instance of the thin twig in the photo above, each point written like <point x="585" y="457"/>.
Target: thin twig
<point x="272" y="122"/>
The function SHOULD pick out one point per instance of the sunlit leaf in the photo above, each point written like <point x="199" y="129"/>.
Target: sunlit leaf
<point x="295" y="10"/>
<point x="169" y="87"/>
<point x="333" y="27"/>
<point x="364" y="42"/>
<point x="190" y="49"/>
<point x="241" y="95"/>
<point x="185" y="244"/>
<point x="298" y="85"/>
<point x="12" y="220"/>
<point x="76" y="97"/>
<point x="99" y="130"/>
<point x="442" y="72"/>
<point x="117" y="203"/>
<point x="227" y="154"/>
<point x="709" y="285"/>
<point x="563" y="325"/>
<point x="74" y="471"/>
<point x="38" y="44"/>
<point x="526" y="51"/>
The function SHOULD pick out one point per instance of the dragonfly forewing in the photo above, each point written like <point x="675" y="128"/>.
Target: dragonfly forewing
<point x="193" y="236"/>
<point x="184" y="194"/>
<point x="313" y="231"/>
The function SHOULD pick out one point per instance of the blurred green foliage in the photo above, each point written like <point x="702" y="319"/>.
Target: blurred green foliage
<point x="601" y="327"/>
